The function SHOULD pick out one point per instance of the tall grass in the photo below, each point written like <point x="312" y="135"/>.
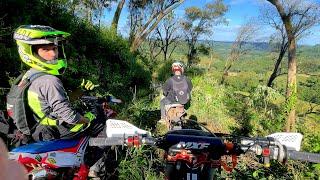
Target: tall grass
<point x="208" y="105"/>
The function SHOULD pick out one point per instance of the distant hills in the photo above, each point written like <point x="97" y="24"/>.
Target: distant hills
<point x="259" y="46"/>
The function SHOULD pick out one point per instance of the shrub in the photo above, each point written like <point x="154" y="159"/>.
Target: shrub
<point x="139" y="164"/>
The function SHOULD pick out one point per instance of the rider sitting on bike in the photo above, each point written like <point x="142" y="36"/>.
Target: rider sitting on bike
<point x="176" y="90"/>
<point x="41" y="48"/>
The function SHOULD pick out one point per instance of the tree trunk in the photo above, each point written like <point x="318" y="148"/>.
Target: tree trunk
<point x="276" y="66"/>
<point x="116" y="16"/>
<point x="151" y="24"/>
<point x="89" y="15"/>
<point x="291" y="94"/>
<point x="139" y="38"/>
<point x="165" y="50"/>
<point x="225" y="73"/>
<point x="190" y="54"/>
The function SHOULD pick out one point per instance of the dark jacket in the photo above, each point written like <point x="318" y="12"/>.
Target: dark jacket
<point x="47" y="97"/>
<point x="168" y="86"/>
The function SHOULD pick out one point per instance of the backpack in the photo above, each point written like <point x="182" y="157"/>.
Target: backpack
<point x="181" y="90"/>
<point x="17" y="107"/>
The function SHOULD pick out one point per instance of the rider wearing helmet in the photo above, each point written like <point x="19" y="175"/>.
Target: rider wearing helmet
<point x="41" y="48"/>
<point x="177" y="89"/>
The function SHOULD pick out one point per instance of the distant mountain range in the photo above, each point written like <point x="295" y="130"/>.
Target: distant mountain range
<point x="259" y="46"/>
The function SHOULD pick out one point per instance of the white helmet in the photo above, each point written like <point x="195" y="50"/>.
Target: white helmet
<point x="177" y="66"/>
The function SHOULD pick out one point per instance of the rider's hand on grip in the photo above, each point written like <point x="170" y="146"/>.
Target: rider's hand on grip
<point x="88" y="85"/>
<point x="90" y="116"/>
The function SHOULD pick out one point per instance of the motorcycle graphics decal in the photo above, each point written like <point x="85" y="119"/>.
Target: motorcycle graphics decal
<point x="51" y="160"/>
<point x="192" y="145"/>
<point x="74" y="149"/>
<point x="66" y="145"/>
<point x="38" y="158"/>
<point x="70" y="153"/>
<point x="61" y="159"/>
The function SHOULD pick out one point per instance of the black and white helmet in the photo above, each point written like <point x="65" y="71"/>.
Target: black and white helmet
<point x="177" y="66"/>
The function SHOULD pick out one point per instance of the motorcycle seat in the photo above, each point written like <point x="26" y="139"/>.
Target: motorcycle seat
<point x="69" y="145"/>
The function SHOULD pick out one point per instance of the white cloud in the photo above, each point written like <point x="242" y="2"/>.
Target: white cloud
<point x="225" y="33"/>
<point x="229" y="33"/>
<point x="224" y="28"/>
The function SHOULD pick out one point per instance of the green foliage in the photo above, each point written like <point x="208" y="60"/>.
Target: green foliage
<point x="291" y="101"/>
<point x="313" y="143"/>
<point x="194" y="71"/>
<point x="108" y="60"/>
<point x="141" y="113"/>
<point x="138" y="165"/>
<point x="198" y="22"/>
<point x="203" y="49"/>
<point x="245" y="170"/>
<point x="263" y="97"/>
<point x="247" y="107"/>
<point x="207" y="103"/>
<point x="243" y="105"/>
<point x="244" y="81"/>
<point x="256" y="111"/>
<point x="164" y="72"/>
<point x="309" y="90"/>
<point x="291" y="170"/>
<point x="308" y="126"/>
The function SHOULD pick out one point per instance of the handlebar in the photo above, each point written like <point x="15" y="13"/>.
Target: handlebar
<point x="303" y="156"/>
<point x="184" y="143"/>
<point x="120" y="141"/>
<point x="99" y="105"/>
<point x="94" y="99"/>
<point x="268" y="148"/>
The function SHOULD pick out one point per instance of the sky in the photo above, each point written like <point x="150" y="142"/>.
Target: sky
<point x="239" y="12"/>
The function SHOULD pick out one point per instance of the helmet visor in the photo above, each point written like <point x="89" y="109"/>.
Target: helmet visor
<point x="61" y="54"/>
<point x="46" y="40"/>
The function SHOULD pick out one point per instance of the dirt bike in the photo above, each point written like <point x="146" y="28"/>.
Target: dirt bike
<point x="66" y="158"/>
<point x="193" y="152"/>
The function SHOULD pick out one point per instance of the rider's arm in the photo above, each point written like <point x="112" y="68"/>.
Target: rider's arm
<point x="58" y="101"/>
<point x="167" y="86"/>
<point x="189" y="83"/>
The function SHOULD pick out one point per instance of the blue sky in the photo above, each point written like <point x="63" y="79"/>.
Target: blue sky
<point x="239" y="11"/>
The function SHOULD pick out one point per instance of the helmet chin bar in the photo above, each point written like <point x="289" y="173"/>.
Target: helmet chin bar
<point x="44" y="65"/>
<point x="53" y="71"/>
